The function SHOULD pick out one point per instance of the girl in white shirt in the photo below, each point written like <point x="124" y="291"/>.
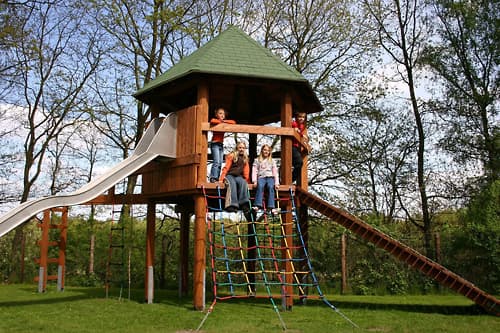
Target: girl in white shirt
<point x="265" y="175"/>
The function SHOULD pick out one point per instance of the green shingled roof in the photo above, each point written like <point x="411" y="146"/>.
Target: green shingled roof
<point x="232" y="52"/>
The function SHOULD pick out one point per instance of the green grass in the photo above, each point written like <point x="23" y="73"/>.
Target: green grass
<point x="22" y="309"/>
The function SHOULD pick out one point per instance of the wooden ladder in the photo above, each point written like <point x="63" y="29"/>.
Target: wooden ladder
<point x="116" y="261"/>
<point x="46" y="224"/>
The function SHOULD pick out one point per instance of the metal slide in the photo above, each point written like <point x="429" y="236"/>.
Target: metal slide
<point x="159" y="140"/>
<point x="402" y="252"/>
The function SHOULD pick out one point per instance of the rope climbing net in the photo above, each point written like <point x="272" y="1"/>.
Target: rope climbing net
<point x="260" y="254"/>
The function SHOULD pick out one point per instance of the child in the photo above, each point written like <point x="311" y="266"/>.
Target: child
<point x="265" y="174"/>
<point x="236" y="173"/>
<point x="217" y="144"/>
<point x="299" y="124"/>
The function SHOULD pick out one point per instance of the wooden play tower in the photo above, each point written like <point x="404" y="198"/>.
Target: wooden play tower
<point x="257" y="88"/>
<point x="234" y="72"/>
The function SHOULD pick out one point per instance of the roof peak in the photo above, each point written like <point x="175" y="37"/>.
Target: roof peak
<point x="231" y="53"/>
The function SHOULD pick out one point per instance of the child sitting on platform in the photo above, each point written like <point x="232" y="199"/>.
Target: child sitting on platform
<point x="265" y="175"/>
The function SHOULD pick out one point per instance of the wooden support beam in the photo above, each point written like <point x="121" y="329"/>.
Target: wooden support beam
<point x="200" y="230"/>
<point x="61" y="269"/>
<point x="343" y="259"/>
<point x="199" y="202"/>
<point x="286" y="178"/>
<point x="44" y="251"/>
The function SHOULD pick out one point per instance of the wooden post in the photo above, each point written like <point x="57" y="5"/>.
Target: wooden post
<point x="44" y="252"/>
<point x="199" y="255"/>
<point x="286" y="142"/>
<point x="303" y="180"/>
<point x="200" y="228"/>
<point x="343" y="258"/>
<point x="202" y="137"/>
<point x="251" y="241"/>
<point x="286" y="178"/>
<point x="150" y="251"/>
<point x="61" y="269"/>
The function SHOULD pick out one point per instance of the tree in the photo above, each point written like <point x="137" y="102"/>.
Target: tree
<point x="402" y="34"/>
<point x="326" y="42"/>
<point x="478" y="239"/>
<point x="141" y="34"/>
<point x="466" y="58"/>
<point x="53" y="70"/>
<point x="12" y="16"/>
<point x="379" y="160"/>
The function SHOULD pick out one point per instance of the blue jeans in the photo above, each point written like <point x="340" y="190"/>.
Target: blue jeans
<point x="217" y="149"/>
<point x="262" y="183"/>
<point x="239" y="192"/>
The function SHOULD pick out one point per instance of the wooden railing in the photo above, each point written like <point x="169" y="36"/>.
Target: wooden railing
<point x="256" y="129"/>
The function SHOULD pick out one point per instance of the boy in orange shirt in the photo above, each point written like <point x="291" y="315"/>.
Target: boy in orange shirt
<point x="217" y="143"/>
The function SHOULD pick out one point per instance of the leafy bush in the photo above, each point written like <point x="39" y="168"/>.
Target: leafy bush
<point x="474" y="246"/>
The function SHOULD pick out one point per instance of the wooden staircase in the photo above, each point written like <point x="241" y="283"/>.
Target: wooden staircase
<point x="404" y="253"/>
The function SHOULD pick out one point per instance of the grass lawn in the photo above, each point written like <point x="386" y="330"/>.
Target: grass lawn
<point x="75" y="310"/>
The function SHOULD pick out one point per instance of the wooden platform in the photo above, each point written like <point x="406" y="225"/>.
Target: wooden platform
<point x="213" y="186"/>
<point x="171" y="197"/>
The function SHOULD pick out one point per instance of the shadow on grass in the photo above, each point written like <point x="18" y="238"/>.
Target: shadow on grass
<point x="52" y="297"/>
<point x="171" y="298"/>
<point x="471" y="310"/>
<point x="72" y="294"/>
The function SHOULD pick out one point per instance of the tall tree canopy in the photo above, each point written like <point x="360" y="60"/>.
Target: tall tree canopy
<point x="466" y="57"/>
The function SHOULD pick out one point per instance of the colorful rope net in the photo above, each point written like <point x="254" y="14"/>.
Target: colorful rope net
<point x="260" y="254"/>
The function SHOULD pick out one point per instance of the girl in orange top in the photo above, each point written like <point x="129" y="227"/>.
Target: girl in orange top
<point x="217" y="143"/>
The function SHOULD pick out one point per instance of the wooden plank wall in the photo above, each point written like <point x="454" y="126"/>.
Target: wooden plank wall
<point x="181" y="173"/>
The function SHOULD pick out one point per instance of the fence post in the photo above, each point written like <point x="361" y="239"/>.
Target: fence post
<point x="343" y="250"/>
